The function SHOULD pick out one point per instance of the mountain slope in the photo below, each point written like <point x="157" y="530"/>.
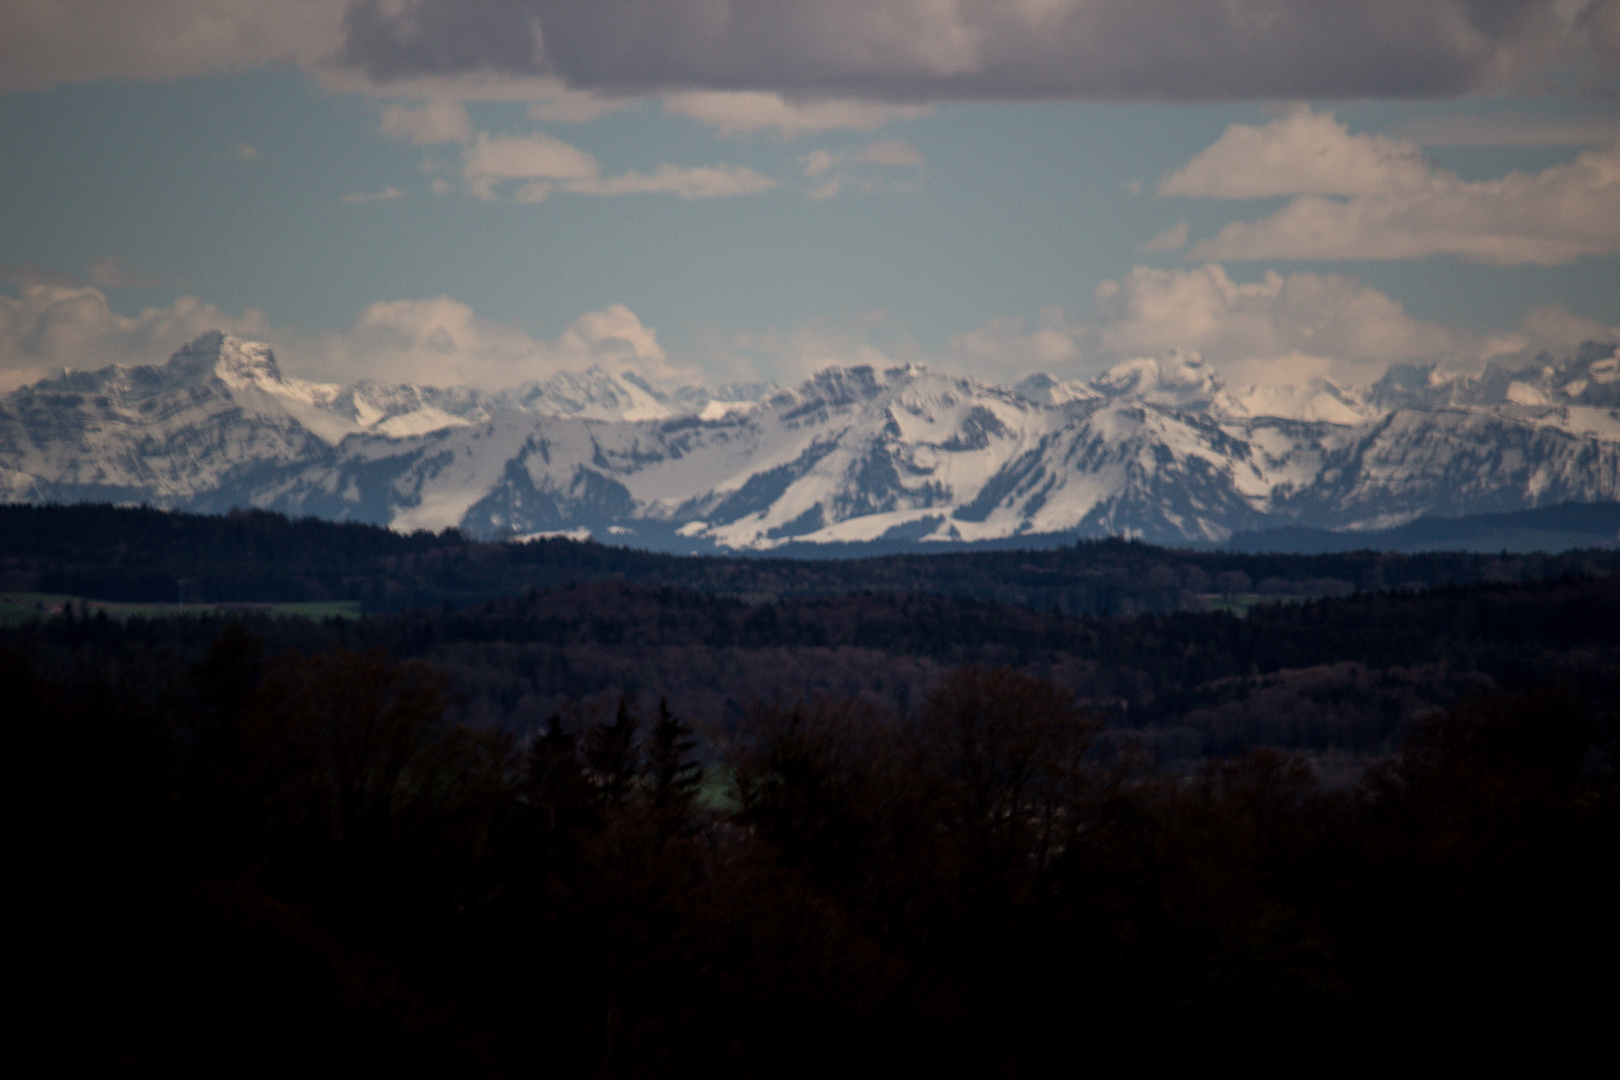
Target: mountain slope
<point x="1154" y="448"/>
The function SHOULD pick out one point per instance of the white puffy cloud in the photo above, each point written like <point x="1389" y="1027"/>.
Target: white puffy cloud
<point x="534" y="159"/>
<point x="539" y="164"/>
<point x="834" y="170"/>
<point x="737" y="112"/>
<point x="439" y="341"/>
<point x="1552" y="326"/>
<point x="57" y="323"/>
<point x="1279" y="331"/>
<point x="527" y="168"/>
<point x="442" y="341"/>
<point x="808" y="346"/>
<point x="1280" y="328"/>
<point x="1303" y="153"/>
<point x="1372" y="197"/>
<point x="700" y="182"/>
<point x="1006" y="349"/>
<point x="1555" y="216"/>
<point x="438" y="120"/>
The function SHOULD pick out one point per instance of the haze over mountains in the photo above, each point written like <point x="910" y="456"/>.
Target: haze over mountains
<point x="1155" y="448"/>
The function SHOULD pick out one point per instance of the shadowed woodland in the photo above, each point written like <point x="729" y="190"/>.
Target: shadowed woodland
<point x="638" y="816"/>
<point x="296" y="857"/>
<point x="138" y="554"/>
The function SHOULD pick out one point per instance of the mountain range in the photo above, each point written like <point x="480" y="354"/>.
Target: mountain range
<point x="1156" y="448"/>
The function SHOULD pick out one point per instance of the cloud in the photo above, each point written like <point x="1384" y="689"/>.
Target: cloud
<point x="1302" y="153"/>
<point x="1005" y="349"/>
<point x="438" y="341"/>
<point x="820" y="166"/>
<point x="1555" y="326"/>
<point x="702" y="182"/>
<point x="246" y="152"/>
<point x="890" y="152"/>
<point x="1552" y="217"/>
<point x="47" y="42"/>
<point x="440" y="120"/>
<point x="540" y="164"/>
<point x="565" y="106"/>
<point x="808" y="346"/>
<point x="56" y="324"/>
<point x="926" y="50"/>
<point x="442" y="341"/>
<point x="534" y="159"/>
<point x="740" y="112"/>
<point x="1280" y="330"/>
<point x="1172" y="239"/>
<point x="1283" y="328"/>
<point x="895" y="51"/>
<point x="387" y="194"/>
<point x="1373" y="197"/>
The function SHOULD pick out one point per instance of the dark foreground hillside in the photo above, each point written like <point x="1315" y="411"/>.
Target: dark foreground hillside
<point x="637" y="828"/>
<point x="144" y="555"/>
<point x="250" y="862"/>
<point x="1344" y="675"/>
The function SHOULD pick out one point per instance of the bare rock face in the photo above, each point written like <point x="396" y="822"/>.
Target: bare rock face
<point x="1156" y="448"/>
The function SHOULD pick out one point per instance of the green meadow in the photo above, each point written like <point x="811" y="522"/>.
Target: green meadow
<point x="20" y="607"/>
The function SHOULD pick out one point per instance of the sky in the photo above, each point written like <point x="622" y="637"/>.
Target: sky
<point x="486" y="192"/>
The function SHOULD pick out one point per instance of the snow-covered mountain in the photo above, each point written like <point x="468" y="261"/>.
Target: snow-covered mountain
<point x="1157" y="448"/>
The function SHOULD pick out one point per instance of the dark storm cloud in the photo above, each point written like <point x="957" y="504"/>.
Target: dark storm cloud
<point x="927" y="50"/>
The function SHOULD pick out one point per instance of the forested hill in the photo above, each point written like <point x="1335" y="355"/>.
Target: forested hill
<point x="141" y="555"/>
<point x="1344" y="673"/>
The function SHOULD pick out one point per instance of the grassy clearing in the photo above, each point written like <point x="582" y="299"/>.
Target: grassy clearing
<point x="20" y="607"/>
<point x="1239" y="604"/>
<point x="717" y="790"/>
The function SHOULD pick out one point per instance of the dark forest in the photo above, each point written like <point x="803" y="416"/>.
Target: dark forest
<point x="597" y="812"/>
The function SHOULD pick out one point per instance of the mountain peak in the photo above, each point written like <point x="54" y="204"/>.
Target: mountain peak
<point x="246" y="362"/>
<point x="1041" y="389"/>
<point x="1181" y="379"/>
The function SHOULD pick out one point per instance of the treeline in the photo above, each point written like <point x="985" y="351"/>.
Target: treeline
<point x="145" y="555"/>
<point x="257" y="860"/>
<point x="1346" y="673"/>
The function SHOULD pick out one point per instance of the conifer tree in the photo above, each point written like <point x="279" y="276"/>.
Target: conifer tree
<point x="672" y="771"/>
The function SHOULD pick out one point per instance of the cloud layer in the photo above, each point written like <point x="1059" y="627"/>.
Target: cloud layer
<point x="1372" y="197"/>
<point x="1280" y="330"/>
<point x="873" y="50"/>
<point x="57" y="323"/>
<point x="527" y="168"/>
<point x="922" y="50"/>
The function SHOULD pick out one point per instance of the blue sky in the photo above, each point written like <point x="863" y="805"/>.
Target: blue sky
<point x="717" y="192"/>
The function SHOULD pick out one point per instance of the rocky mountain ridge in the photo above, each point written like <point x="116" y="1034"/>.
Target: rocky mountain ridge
<point x="1157" y="448"/>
